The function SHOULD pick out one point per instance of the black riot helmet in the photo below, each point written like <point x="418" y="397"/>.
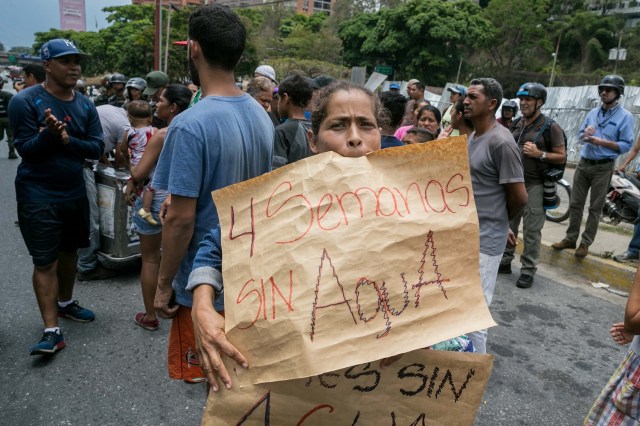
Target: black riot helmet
<point x="534" y="90"/>
<point x="614" y="81"/>
<point x="118" y="78"/>
<point x="510" y="105"/>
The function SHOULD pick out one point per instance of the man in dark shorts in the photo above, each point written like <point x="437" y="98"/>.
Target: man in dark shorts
<point x="55" y="130"/>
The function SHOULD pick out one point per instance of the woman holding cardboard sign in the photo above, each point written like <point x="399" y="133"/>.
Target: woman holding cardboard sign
<point x="345" y="120"/>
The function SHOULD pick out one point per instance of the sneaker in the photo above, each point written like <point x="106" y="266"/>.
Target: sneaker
<point x="97" y="273"/>
<point x="564" y="244"/>
<point x="582" y="251"/>
<point x="141" y="320"/>
<point x="76" y="312"/>
<point x="525" y="281"/>
<point x="50" y="343"/>
<point x="504" y="268"/>
<point x="625" y="257"/>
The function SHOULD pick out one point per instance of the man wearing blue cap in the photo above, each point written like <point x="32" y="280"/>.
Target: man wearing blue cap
<point x="455" y="93"/>
<point x="394" y="87"/>
<point x="55" y="130"/>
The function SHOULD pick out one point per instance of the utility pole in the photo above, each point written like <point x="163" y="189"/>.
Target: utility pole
<point x="615" y="67"/>
<point x="459" y="69"/>
<point x="156" y="44"/>
<point x="555" y="61"/>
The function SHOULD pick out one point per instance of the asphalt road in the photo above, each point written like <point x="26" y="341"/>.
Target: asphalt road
<point x="553" y="351"/>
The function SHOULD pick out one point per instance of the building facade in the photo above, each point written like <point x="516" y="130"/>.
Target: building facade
<point x="630" y="9"/>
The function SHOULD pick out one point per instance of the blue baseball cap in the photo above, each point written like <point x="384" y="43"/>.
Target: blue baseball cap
<point x="59" y="47"/>
<point x="394" y="86"/>
<point x="460" y="90"/>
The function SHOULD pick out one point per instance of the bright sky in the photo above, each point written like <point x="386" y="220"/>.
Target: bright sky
<point x="20" y="19"/>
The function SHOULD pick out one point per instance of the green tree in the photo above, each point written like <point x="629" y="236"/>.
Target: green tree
<point x="518" y="34"/>
<point x="128" y="43"/>
<point x="1" y="47"/>
<point x="590" y="36"/>
<point x="565" y="7"/>
<point x="424" y="39"/>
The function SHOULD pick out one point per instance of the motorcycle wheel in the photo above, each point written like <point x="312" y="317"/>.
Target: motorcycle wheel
<point x="560" y="213"/>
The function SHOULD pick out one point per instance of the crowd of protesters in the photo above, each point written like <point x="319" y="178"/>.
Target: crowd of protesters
<point x="180" y="142"/>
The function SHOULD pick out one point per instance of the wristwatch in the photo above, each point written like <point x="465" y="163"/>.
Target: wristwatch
<point x="543" y="157"/>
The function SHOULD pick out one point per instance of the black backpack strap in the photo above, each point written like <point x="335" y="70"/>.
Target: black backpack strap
<point x="547" y="143"/>
<point x="514" y="123"/>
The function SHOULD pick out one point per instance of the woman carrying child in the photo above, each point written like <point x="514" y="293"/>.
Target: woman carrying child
<point x="173" y="100"/>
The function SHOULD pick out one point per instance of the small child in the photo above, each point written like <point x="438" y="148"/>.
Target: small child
<point x="133" y="145"/>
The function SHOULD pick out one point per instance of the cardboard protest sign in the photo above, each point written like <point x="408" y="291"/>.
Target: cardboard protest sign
<point x="423" y="387"/>
<point x="331" y="262"/>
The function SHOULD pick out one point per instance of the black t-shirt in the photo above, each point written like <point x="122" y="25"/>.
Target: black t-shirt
<point x="291" y="142"/>
<point x="533" y="167"/>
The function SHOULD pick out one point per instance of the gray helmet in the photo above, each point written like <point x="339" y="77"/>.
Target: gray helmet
<point x="118" y="78"/>
<point x="614" y="81"/>
<point x="535" y="90"/>
<point x="510" y="105"/>
<point x="136" y="83"/>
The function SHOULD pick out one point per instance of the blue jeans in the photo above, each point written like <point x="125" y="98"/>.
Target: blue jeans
<point x="634" y="244"/>
<point x="143" y="227"/>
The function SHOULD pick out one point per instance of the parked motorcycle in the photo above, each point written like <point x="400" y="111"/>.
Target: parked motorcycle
<point x="563" y="193"/>
<point x="623" y="199"/>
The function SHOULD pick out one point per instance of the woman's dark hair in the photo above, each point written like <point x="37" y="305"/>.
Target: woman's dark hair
<point x="319" y="107"/>
<point x="436" y="112"/>
<point x="178" y="94"/>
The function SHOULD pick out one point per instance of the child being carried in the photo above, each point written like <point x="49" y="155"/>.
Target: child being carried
<point x="133" y="145"/>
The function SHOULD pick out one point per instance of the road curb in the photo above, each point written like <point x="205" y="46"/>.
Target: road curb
<point x="592" y="268"/>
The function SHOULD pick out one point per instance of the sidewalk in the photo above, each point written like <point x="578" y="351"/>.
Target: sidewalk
<point x="598" y="266"/>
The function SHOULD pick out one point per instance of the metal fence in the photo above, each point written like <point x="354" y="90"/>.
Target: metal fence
<point x="569" y="106"/>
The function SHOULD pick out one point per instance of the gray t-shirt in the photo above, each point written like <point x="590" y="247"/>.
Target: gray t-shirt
<point x="113" y="120"/>
<point x="494" y="160"/>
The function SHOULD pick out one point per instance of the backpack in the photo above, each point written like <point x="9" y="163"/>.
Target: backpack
<point x="552" y="172"/>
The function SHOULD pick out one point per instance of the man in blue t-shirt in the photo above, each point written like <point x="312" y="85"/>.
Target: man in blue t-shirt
<point x="55" y="130"/>
<point x="225" y="138"/>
